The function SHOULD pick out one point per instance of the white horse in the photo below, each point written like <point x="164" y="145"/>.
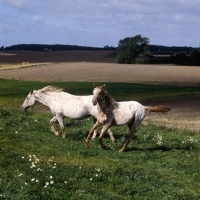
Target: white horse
<point x="63" y="104"/>
<point x="112" y="113"/>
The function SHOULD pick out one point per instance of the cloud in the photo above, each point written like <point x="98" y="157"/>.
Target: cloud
<point x="99" y="23"/>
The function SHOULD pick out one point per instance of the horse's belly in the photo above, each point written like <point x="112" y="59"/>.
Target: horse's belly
<point x="122" y="119"/>
<point x="77" y="115"/>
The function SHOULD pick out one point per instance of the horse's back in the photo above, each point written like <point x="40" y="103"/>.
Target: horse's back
<point x="72" y="106"/>
<point x="125" y="111"/>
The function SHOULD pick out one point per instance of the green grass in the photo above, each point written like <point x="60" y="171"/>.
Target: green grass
<point x="159" y="163"/>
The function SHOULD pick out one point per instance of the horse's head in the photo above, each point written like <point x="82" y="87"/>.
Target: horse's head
<point x="29" y="101"/>
<point x="97" y="94"/>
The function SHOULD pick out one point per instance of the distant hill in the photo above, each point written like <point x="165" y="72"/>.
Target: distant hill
<point x="61" y="47"/>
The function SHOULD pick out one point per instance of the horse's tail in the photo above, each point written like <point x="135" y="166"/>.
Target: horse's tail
<point x="158" y="109"/>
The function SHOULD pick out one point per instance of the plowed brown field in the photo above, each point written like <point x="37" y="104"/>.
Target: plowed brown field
<point x="96" y="67"/>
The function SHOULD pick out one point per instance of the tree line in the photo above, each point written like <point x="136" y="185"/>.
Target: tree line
<point x="179" y="59"/>
<point x="54" y="47"/>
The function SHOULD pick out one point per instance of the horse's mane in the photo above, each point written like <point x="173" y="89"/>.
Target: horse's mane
<point x="109" y="100"/>
<point x="50" y="89"/>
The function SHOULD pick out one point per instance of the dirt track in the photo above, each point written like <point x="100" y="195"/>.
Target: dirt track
<point x="184" y="114"/>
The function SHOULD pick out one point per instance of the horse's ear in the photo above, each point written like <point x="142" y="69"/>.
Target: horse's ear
<point x="103" y="86"/>
<point x="31" y="92"/>
<point x="94" y="85"/>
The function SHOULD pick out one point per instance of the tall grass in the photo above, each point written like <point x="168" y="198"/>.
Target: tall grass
<point x="159" y="163"/>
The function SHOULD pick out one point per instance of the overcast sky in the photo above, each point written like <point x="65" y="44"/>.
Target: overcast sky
<point x="98" y="23"/>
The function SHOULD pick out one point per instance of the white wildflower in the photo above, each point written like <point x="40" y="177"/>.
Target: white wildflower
<point x="20" y="174"/>
<point x="38" y="169"/>
<point x="33" y="179"/>
<point x="51" y="182"/>
<point x="51" y="177"/>
<point x="91" y="179"/>
<point x="22" y="157"/>
<point x="65" y="182"/>
<point x="47" y="183"/>
<point x="159" y="140"/>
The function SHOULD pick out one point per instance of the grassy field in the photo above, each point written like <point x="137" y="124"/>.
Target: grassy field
<point x="160" y="163"/>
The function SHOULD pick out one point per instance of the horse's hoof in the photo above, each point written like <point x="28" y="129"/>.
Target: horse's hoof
<point x="113" y="141"/>
<point x="56" y="134"/>
<point x="121" y="150"/>
<point x="105" y="147"/>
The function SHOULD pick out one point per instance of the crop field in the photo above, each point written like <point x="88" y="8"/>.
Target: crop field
<point x="161" y="162"/>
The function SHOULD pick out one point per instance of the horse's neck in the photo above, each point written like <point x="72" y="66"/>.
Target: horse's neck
<point x="102" y="106"/>
<point x="44" y="98"/>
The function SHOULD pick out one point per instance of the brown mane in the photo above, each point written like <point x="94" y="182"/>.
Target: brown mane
<point x="109" y="100"/>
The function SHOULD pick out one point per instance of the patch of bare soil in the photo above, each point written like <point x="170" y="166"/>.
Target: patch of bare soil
<point x="19" y="56"/>
<point x="185" y="113"/>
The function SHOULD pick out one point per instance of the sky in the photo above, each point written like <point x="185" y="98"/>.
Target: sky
<point x="98" y="23"/>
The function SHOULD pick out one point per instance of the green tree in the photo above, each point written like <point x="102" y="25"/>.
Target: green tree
<point x="130" y="48"/>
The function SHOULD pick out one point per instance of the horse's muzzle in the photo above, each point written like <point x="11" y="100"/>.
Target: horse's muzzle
<point x="24" y="108"/>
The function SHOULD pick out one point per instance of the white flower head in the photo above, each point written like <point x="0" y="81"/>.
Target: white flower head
<point x="47" y="183"/>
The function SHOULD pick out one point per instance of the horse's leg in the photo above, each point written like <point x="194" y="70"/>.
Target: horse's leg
<point x="62" y="127"/>
<point x="52" y="126"/>
<point x="96" y="130"/>
<point x="104" y="129"/>
<point x="111" y="135"/>
<point x="132" y="127"/>
<point x="97" y="124"/>
<point x="95" y="133"/>
<point x="109" y="132"/>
